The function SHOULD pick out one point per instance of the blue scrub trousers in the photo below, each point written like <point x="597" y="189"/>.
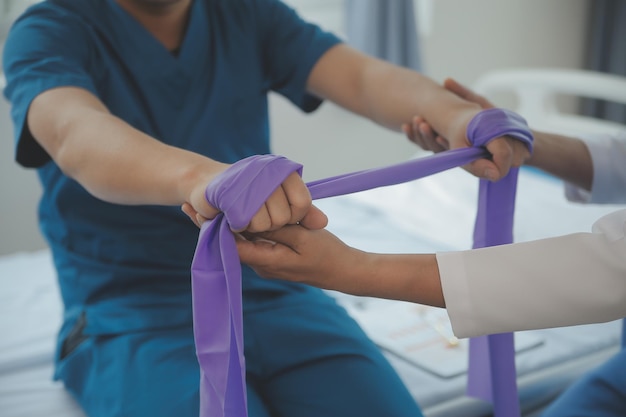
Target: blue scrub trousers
<point x="600" y="393"/>
<point x="303" y="360"/>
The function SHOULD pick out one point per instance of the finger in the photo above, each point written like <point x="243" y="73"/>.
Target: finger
<point x="424" y="129"/>
<point x="278" y="209"/>
<point x="520" y="152"/>
<point x="459" y="89"/>
<point x="288" y="236"/>
<point x="430" y="137"/>
<point x="417" y="139"/>
<point x="422" y="137"/>
<point x="406" y="129"/>
<point x="298" y="196"/>
<point x="260" y="222"/>
<point x="415" y="126"/>
<point x="506" y="153"/>
<point x="199" y="204"/>
<point x="462" y="91"/>
<point x="200" y="219"/>
<point x="263" y="246"/>
<point x="254" y="252"/>
<point x="443" y="142"/>
<point x="314" y="219"/>
<point x="414" y="135"/>
<point x="209" y="212"/>
<point x="190" y="212"/>
<point x="260" y="256"/>
<point x="269" y="259"/>
<point x="483" y="168"/>
<point x="501" y="155"/>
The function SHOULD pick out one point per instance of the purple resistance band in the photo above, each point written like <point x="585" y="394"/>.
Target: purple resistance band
<point x="244" y="187"/>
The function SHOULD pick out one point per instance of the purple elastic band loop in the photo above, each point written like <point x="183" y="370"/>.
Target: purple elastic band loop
<point x="241" y="190"/>
<point x="490" y="124"/>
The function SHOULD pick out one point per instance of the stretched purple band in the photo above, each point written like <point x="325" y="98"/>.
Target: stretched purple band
<point x="491" y="373"/>
<point x="243" y="188"/>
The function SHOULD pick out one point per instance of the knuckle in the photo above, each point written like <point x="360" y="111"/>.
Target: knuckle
<point x="280" y="219"/>
<point x="300" y="202"/>
<point x="259" y="224"/>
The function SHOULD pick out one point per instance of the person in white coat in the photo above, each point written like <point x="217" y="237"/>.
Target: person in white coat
<point x="573" y="279"/>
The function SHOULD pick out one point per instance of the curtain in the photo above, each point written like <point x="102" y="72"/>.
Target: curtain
<point x="385" y="29"/>
<point x="606" y="52"/>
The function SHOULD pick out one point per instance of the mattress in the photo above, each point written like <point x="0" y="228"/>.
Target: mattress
<point x="30" y="316"/>
<point x="433" y="214"/>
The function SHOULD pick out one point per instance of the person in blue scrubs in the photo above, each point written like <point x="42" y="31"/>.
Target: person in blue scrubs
<point x="128" y="109"/>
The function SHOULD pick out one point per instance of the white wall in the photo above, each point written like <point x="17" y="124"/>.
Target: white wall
<point x="466" y="38"/>
<point x="492" y="34"/>
<point x="19" y="188"/>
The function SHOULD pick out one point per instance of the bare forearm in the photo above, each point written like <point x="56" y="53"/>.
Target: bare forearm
<point x="319" y="258"/>
<point x="112" y="160"/>
<point x="396" y="95"/>
<point x="123" y="165"/>
<point x="405" y="277"/>
<point x="565" y="157"/>
<point x="388" y="94"/>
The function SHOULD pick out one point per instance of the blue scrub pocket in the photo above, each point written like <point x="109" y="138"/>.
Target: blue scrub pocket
<point x="75" y="337"/>
<point x="75" y="361"/>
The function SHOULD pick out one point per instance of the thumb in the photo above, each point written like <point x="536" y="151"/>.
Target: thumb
<point x="314" y="219"/>
<point x="254" y="252"/>
<point x="268" y="247"/>
<point x="465" y="93"/>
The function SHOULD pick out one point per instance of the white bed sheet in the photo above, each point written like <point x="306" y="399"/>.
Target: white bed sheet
<point x="30" y="316"/>
<point x="429" y="215"/>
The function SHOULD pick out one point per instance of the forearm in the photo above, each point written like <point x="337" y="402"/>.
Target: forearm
<point x="405" y="277"/>
<point x="319" y="258"/>
<point x="112" y="160"/>
<point x="565" y="157"/>
<point x="122" y="165"/>
<point x="388" y="94"/>
<point x="395" y="95"/>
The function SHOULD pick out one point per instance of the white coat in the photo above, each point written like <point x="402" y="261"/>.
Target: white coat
<point x="568" y="280"/>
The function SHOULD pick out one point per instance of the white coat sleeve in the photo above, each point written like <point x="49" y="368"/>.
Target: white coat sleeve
<point x="562" y="281"/>
<point x="608" y="156"/>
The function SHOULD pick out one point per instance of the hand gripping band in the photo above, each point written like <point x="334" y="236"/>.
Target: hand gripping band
<point x="492" y="123"/>
<point x="244" y="187"/>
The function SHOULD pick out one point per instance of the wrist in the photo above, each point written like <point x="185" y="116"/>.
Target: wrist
<point x="534" y="157"/>
<point x="195" y="177"/>
<point x="458" y="125"/>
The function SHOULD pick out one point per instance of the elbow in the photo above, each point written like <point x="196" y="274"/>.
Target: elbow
<point x="63" y="152"/>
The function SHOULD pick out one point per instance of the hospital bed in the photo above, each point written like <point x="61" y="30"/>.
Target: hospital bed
<point x="433" y="214"/>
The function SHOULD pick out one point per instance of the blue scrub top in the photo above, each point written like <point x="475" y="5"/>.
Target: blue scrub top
<point x="128" y="267"/>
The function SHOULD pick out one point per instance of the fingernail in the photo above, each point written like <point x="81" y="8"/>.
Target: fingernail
<point x="490" y="174"/>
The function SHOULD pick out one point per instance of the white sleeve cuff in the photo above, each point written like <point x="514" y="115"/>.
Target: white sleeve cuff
<point x="608" y="155"/>
<point x="456" y="292"/>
